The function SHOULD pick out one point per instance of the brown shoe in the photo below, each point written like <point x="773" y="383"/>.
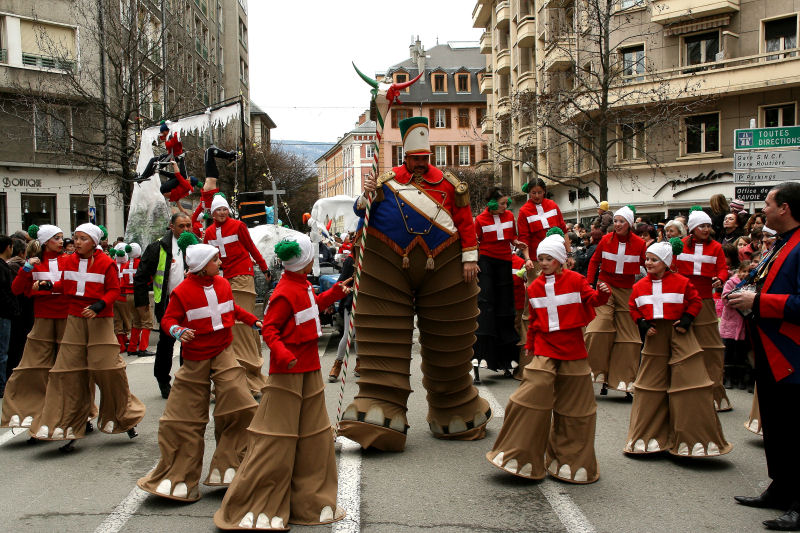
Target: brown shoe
<point x="335" y="369"/>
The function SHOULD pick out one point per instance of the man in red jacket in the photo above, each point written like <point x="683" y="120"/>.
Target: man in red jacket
<point x="237" y="252"/>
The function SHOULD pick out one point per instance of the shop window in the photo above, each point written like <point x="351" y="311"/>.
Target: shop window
<point x="79" y="209"/>
<point x="38" y="209"/>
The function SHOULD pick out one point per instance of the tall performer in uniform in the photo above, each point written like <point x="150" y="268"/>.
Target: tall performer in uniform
<point x="24" y="396"/>
<point x="672" y="408"/>
<point x="162" y="265"/>
<point x="703" y="262"/>
<point x="774" y="315"/>
<point x="550" y="419"/>
<point x="612" y="339"/>
<point x="496" y="336"/>
<point x="420" y="257"/>
<point x="88" y="350"/>
<point x="200" y="315"/>
<point x="236" y="248"/>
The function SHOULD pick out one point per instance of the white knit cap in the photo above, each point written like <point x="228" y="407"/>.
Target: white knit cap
<point x="769" y="231"/>
<point x="662" y="250"/>
<point x="121" y="258"/>
<point x="91" y="230"/>
<point x="136" y="250"/>
<point x="305" y="257"/>
<point x="626" y="213"/>
<point x="197" y="256"/>
<point x="696" y="218"/>
<point x="219" y="201"/>
<point x="47" y="232"/>
<point x="553" y="246"/>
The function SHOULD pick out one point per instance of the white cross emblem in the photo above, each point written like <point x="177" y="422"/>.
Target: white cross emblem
<point x="214" y="310"/>
<point x="697" y="258"/>
<point x="221" y="241"/>
<point x="83" y="277"/>
<point x="542" y="216"/>
<point x="551" y="302"/>
<point x="312" y="313"/>
<point x="129" y="271"/>
<point x="53" y="274"/>
<point x="620" y="258"/>
<point x="658" y="299"/>
<point x="498" y="227"/>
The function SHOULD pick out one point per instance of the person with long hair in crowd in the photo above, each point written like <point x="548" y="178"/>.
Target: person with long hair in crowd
<point x="496" y="337"/>
<point x="612" y="339"/>
<point x="703" y="262"/>
<point x="719" y="208"/>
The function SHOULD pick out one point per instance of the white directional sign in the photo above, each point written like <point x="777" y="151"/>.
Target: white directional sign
<point x="768" y="175"/>
<point x="766" y="159"/>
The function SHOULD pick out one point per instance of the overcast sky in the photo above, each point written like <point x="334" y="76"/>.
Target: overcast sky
<point x="300" y="54"/>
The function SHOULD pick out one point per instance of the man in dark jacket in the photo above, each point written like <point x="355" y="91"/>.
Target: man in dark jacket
<point x="9" y="308"/>
<point x="162" y="265"/>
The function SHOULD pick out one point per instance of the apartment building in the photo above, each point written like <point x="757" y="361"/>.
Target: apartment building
<point x="342" y="169"/>
<point x="260" y="126"/>
<point x="191" y="53"/>
<point x="449" y="95"/>
<point x="717" y="64"/>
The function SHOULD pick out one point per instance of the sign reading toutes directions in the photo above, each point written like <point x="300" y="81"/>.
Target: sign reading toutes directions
<point x="756" y="161"/>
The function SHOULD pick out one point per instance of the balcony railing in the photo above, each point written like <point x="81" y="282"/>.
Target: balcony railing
<point x="34" y="60"/>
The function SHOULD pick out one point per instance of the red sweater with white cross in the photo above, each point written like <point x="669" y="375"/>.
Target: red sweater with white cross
<point x="667" y="298"/>
<point x="235" y="248"/>
<point x="618" y="259"/>
<point x="495" y="234"/>
<point x="535" y="219"/>
<point x="291" y="323"/>
<point x="46" y="304"/>
<point x="205" y="305"/>
<point x="86" y="281"/>
<point x="560" y="306"/>
<point x="127" y="271"/>
<point x="701" y="262"/>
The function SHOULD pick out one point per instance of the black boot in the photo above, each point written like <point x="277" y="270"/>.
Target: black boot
<point x="727" y="380"/>
<point x="604" y="390"/>
<point x="132" y="434"/>
<point x="477" y="379"/>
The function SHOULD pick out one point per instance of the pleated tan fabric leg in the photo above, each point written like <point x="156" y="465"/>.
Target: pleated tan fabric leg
<point x="122" y="318"/>
<point x="447" y="310"/>
<point x="88" y="352"/>
<point x="627" y="347"/>
<point x="753" y="421"/>
<point x="550" y="420"/>
<point x="246" y="342"/>
<point x="706" y="328"/>
<point x="25" y="390"/>
<point x="180" y="435"/>
<point x="384" y="321"/>
<point x="599" y="338"/>
<point x="289" y="471"/>
<point x="570" y="450"/>
<point x="690" y="423"/>
<point x="140" y="318"/>
<point x="234" y="408"/>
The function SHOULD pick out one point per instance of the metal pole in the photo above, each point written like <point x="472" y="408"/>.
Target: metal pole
<point x="244" y="142"/>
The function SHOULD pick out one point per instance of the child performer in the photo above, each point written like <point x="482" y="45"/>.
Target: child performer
<point x="237" y="252"/>
<point x="177" y="185"/>
<point x="672" y="408"/>
<point x="733" y="332"/>
<point x="24" y="397"/>
<point x="141" y="319"/>
<point x="88" y="350"/>
<point x="550" y="418"/>
<point x="703" y="262"/>
<point x="200" y="314"/>
<point x="122" y="315"/>
<point x="289" y="471"/>
<point x="611" y="338"/>
<point x="173" y="150"/>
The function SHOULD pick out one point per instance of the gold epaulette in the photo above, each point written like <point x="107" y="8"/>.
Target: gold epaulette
<point x="462" y="189"/>
<point x="386" y="176"/>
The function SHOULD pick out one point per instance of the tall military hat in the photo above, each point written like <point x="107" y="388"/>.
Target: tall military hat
<point x="414" y="131"/>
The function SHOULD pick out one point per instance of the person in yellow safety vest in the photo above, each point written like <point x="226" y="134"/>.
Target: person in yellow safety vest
<point x="162" y="264"/>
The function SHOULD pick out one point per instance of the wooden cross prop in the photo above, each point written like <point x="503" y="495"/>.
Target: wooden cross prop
<point x="274" y="192"/>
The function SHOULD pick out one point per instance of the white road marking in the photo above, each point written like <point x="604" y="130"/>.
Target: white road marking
<point x="147" y="360"/>
<point x="349" y="494"/>
<point x="568" y="512"/>
<point x="498" y="410"/>
<point x="123" y="512"/>
<point x="10" y="434"/>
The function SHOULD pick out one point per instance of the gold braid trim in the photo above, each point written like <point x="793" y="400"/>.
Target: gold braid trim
<point x="462" y="189"/>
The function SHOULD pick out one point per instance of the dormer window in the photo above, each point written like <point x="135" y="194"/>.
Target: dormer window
<point x="439" y="82"/>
